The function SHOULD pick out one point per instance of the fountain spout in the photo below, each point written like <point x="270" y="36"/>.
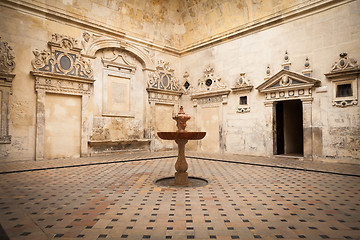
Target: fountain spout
<point x="181" y="118"/>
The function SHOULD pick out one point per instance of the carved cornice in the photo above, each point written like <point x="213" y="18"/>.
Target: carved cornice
<point x="56" y="83"/>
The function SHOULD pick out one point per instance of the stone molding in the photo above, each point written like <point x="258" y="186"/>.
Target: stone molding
<point x="7" y="66"/>
<point x="288" y="85"/>
<point x="163" y="86"/>
<point x="344" y="71"/>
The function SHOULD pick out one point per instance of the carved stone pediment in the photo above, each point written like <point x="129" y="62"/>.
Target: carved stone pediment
<point x="344" y="67"/>
<point x="242" y="84"/>
<point x="62" y="68"/>
<point x="210" y="88"/>
<point x="288" y="85"/>
<point x="163" y="86"/>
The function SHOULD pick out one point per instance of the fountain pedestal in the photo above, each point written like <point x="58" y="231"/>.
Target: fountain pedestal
<point x="181" y="166"/>
<point x="181" y="137"/>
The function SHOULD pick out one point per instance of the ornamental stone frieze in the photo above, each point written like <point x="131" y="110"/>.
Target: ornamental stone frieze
<point x="62" y="69"/>
<point x="163" y="86"/>
<point x="344" y="77"/>
<point x="210" y="89"/>
<point x="7" y="66"/>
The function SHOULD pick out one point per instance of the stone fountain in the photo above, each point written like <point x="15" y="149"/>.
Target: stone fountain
<point x="181" y="137"/>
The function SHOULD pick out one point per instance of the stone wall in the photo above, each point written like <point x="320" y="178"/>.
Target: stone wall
<point x="125" y="41"/>
<point x="320" y="37"/>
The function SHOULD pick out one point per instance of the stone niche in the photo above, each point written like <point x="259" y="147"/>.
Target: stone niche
<point x="63" y="82"/>
<point x="7" y="65"/>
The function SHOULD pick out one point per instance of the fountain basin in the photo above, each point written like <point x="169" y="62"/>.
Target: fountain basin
<point x="181" y="135"/>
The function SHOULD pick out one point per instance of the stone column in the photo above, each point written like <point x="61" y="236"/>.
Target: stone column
<point x="85" y="126"/>
<point x="151" y="122"/>
<point x="307" y="126"/>
<point x="269" y="125"/>
<point x="40" y="124"/>
<point x="181" y="166"/>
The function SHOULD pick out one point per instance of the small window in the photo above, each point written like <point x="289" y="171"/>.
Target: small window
<point x="186" y="85"/>
<point x="243" y="100"/>
<point x="344" y="90"/>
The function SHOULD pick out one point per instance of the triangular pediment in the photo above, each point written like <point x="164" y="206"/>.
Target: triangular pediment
<point x="287" y="80"/>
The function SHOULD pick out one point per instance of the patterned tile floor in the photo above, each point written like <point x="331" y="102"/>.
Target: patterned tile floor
<point x="115" y="197"/>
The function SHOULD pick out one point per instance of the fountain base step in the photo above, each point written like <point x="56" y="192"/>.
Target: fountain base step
<point x="192" y="182"/>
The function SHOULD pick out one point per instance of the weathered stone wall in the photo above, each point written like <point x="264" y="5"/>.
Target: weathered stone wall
<point x="148" y="31"/>
<point x="320" y="37"/>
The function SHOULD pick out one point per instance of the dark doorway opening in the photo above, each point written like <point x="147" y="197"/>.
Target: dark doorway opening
<point x="289" y="128"/>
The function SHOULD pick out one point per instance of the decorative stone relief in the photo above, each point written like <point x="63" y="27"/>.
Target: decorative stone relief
<point x="7" y="66"/>
<point x="307" y="71"/>
<point x="61" y="69"/>
<point x="187" y="88"/>
<point x="268" y="73"/>
<point x="63" y="58"/>
<point x="91" y="43"/>
<point x="344" y="77"/>
<point x="287" y="85"/>
<point x="210" y="89"/>
<point x="242" y="84"/>
<point x="286" y="64"/>
<point x="210" y="82"/>
<point x="163" y="87"/>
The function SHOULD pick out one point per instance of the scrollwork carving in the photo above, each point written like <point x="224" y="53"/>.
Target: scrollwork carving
<point x="163" y="78"/>
<point x="344" y="63"/>
<point x="209" y="81"/>
<point x="63" y="58"/>
<point x="7" y="56"/>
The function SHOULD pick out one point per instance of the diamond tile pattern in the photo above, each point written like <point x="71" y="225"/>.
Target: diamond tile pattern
<point x="118" y="199"/>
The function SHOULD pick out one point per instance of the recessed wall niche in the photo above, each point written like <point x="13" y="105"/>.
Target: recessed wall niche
<point x="118" y="83"/>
